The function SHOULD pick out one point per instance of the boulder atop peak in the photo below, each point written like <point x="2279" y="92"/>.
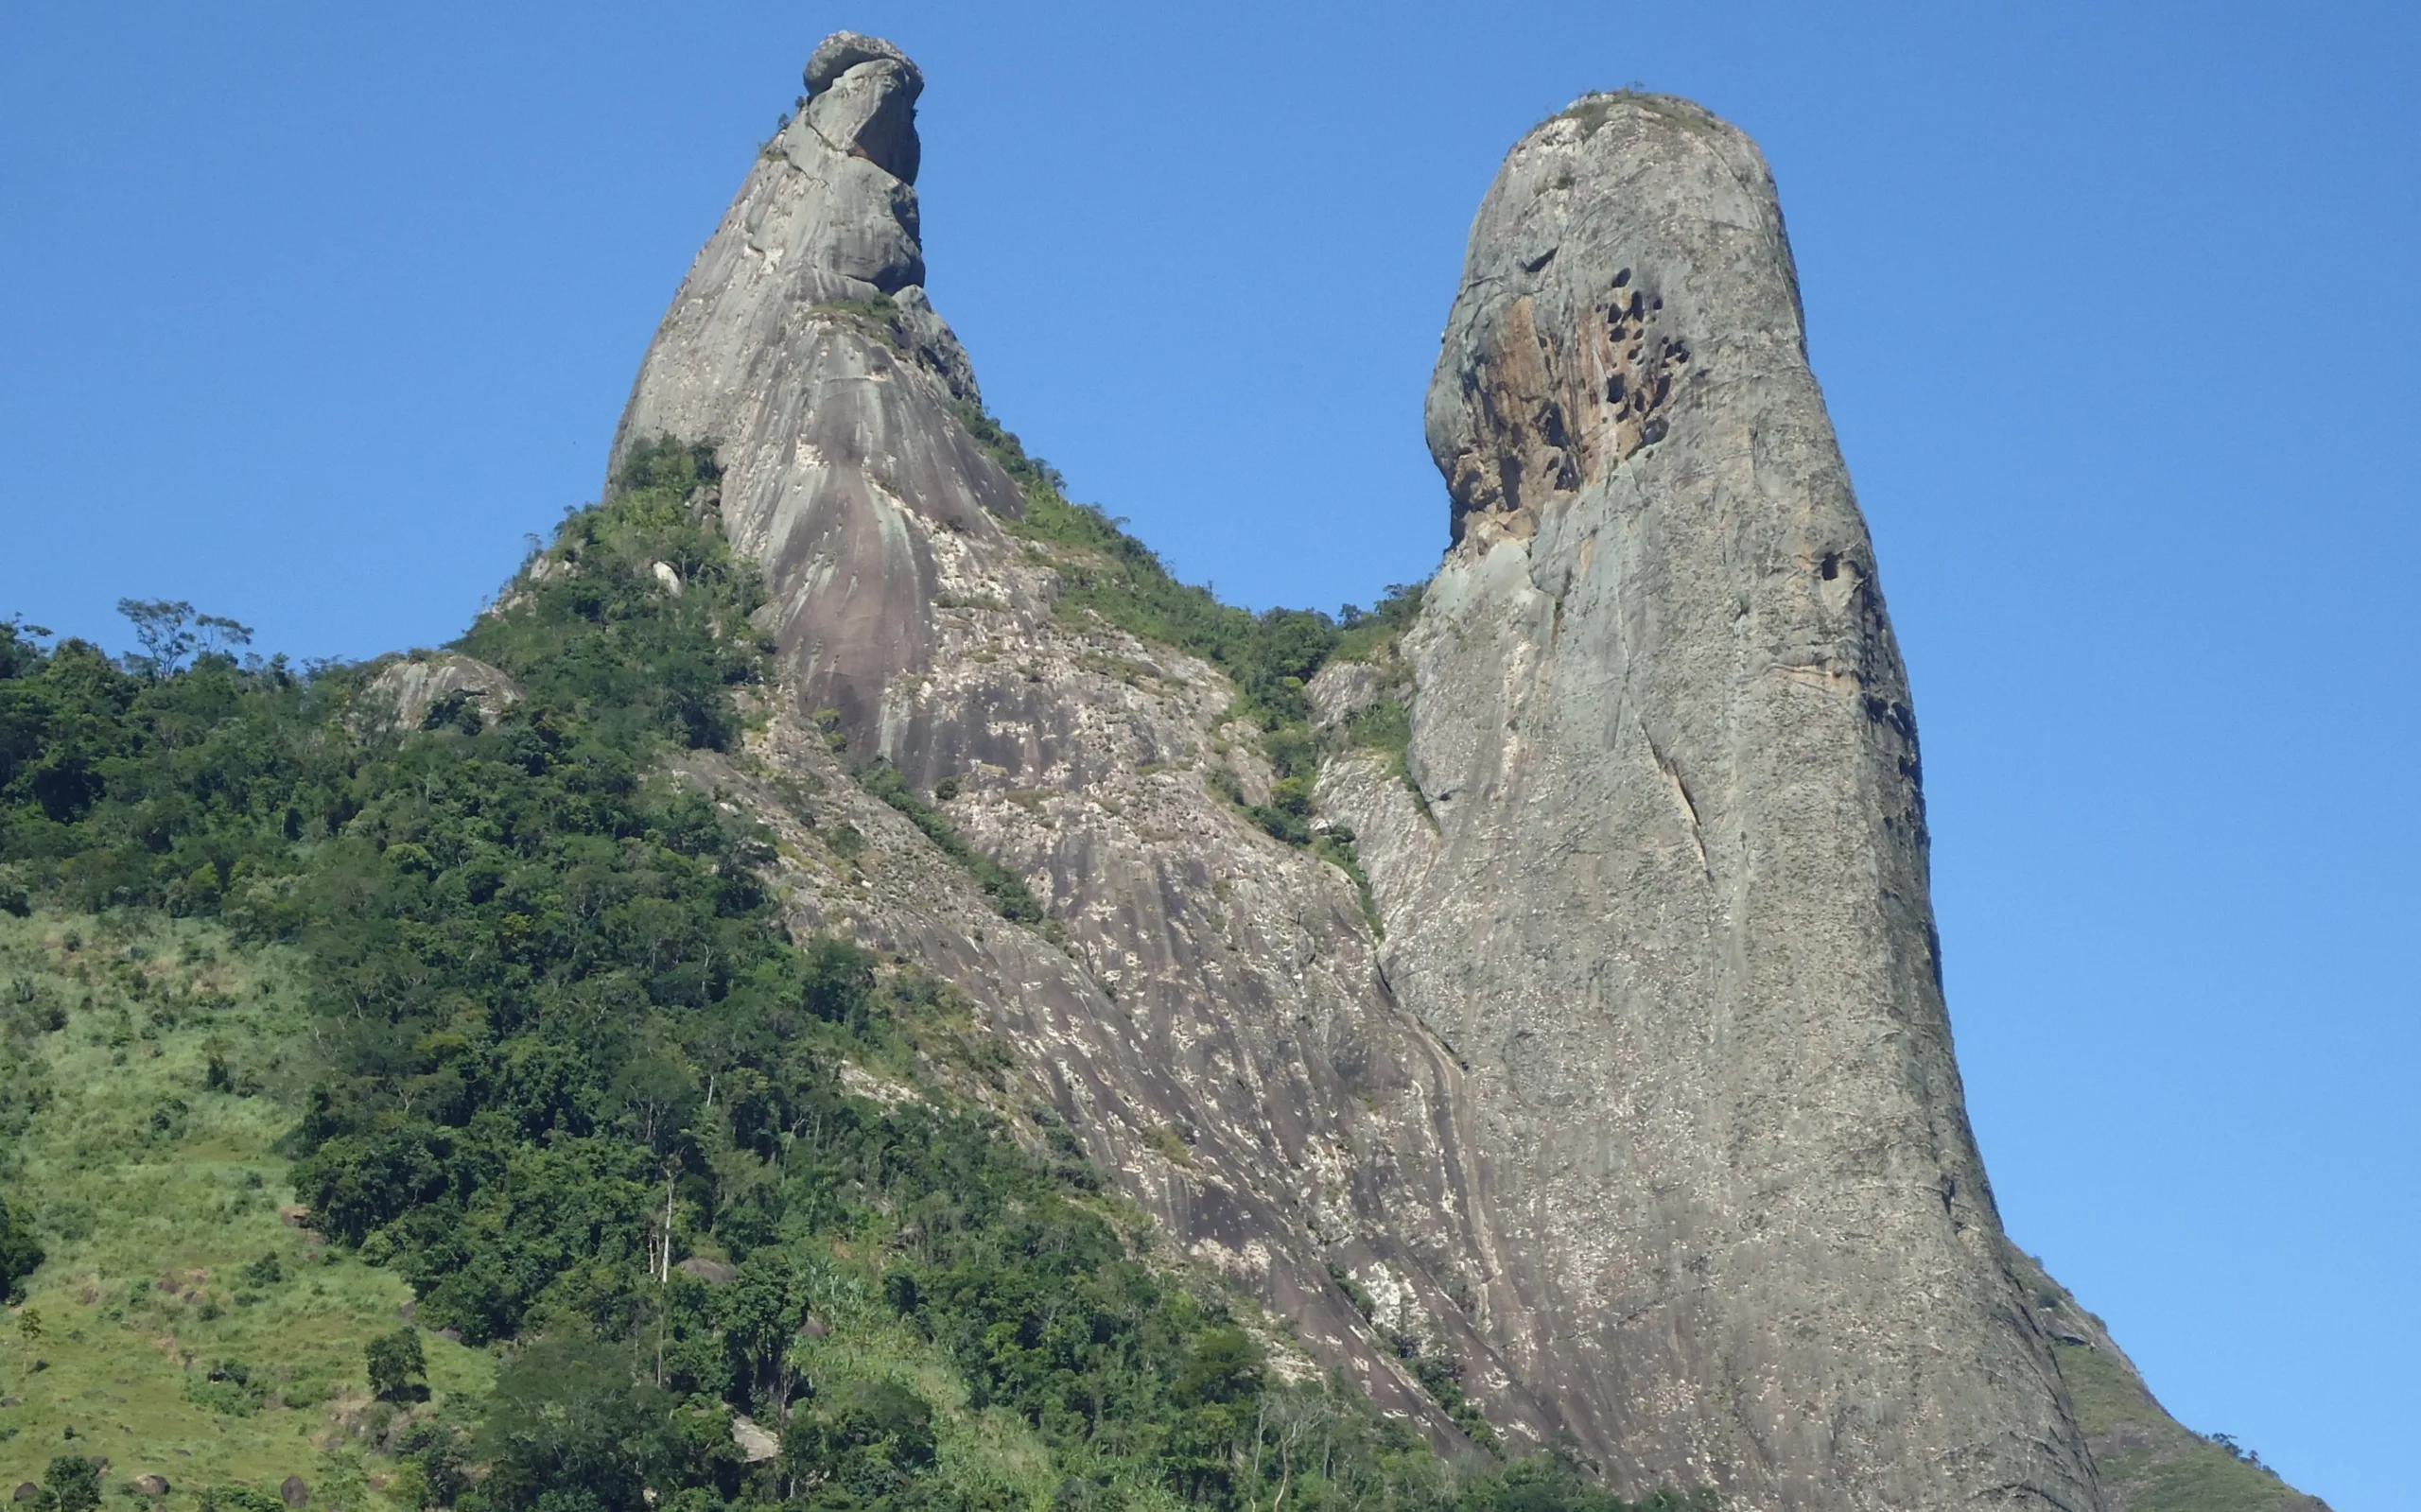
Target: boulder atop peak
<point x="843" y="50"/>
<point x="862" y="100"/>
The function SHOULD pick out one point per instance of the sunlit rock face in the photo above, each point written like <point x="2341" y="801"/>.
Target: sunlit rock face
<point x="802" y="343"/>
<point x="1645" y="1109"/>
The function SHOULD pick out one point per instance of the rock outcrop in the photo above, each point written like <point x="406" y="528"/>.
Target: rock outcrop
<point x="1205" y="1012"/>
<point x="802" y="343"/>
<point x="1645" y="1112"/>
<point x="408" y="687"/>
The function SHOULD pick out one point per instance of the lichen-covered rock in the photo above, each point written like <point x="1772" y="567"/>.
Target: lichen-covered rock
<point x="1674" y="914"/>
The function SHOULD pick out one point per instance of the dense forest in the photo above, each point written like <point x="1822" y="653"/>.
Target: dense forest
<point x="560" y="1068"/>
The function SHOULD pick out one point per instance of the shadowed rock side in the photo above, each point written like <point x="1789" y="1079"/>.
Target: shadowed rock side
<point x="1673" y="910"/>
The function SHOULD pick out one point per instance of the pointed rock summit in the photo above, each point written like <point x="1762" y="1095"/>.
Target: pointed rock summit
<point x="802" y="343"/>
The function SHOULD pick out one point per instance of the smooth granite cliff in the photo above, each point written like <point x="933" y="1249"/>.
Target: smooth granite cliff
<point x="1643" y="1113"/>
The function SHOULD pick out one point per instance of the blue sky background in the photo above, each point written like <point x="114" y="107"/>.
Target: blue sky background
<point x="309" y="314"/>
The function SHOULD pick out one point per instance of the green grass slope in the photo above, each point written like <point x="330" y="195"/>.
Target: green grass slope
<point x="2150" y="1462"/>
<point x="160" y="1197"/>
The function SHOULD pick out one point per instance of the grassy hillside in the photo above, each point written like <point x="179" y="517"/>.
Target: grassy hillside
<point x="2152" y="1463"/>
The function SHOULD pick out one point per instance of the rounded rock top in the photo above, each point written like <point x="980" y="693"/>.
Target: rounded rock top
<point x="843" y="50"/>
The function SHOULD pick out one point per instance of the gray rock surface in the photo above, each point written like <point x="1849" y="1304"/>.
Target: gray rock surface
<point x="407" y="688"/>
<point x="803" y="344"/>
<point x="712" y="1271"/>
<point x="755" y="1444"/>
<point x="1210" y="1021"/>
<point x="1673" y="912"/>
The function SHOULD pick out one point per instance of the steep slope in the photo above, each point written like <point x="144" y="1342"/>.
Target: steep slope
<point x="2149" y="1462"/>
<point x="179" y="1327"/>
<point x="1643" y="1118"/>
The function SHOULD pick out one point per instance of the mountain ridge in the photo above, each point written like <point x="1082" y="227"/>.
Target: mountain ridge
<point x="1522" y="419"/>
<point x="1218" y="930"/>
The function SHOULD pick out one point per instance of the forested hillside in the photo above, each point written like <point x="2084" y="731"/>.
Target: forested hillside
<point x="445" y="1116"/>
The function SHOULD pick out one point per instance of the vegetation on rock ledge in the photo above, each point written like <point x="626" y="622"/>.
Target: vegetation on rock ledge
<point x="1270" y="656"/>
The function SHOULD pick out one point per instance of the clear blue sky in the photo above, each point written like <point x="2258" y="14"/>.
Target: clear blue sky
<point x="310" y="313"/>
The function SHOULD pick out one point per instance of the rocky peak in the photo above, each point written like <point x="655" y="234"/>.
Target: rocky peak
<point x="1197" y="1001"/>
<point x="1639" y="1116"/>
<point x="861" y="99"/>
<point x="1579" y="316"/>
<point x="803" y="344"/>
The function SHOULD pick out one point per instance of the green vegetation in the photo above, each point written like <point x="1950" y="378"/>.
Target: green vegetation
<point x="396" y="1363"/>
<point x="1269" y="656"/>
<point x="70" y="1483"/>
<point x="1005" y="888"/>
<point x="1009" y="895"/>
<point x="20" y="1252"/>
<point x="510" y="1016"/>
<point x="2163" y="1467"/>
<point x="180" y="1326"/>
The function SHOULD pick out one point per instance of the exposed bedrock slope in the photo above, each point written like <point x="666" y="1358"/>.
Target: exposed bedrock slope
<point x="1645" y="1112"/>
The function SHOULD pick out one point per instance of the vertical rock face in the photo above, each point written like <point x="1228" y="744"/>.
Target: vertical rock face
<point x="1673" y="912"/>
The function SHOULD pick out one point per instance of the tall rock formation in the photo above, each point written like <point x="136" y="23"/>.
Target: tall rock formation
<point x="1645" y="1112"/>
<point x="802" y="343"/>
<point x="1745" y="1223"/>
